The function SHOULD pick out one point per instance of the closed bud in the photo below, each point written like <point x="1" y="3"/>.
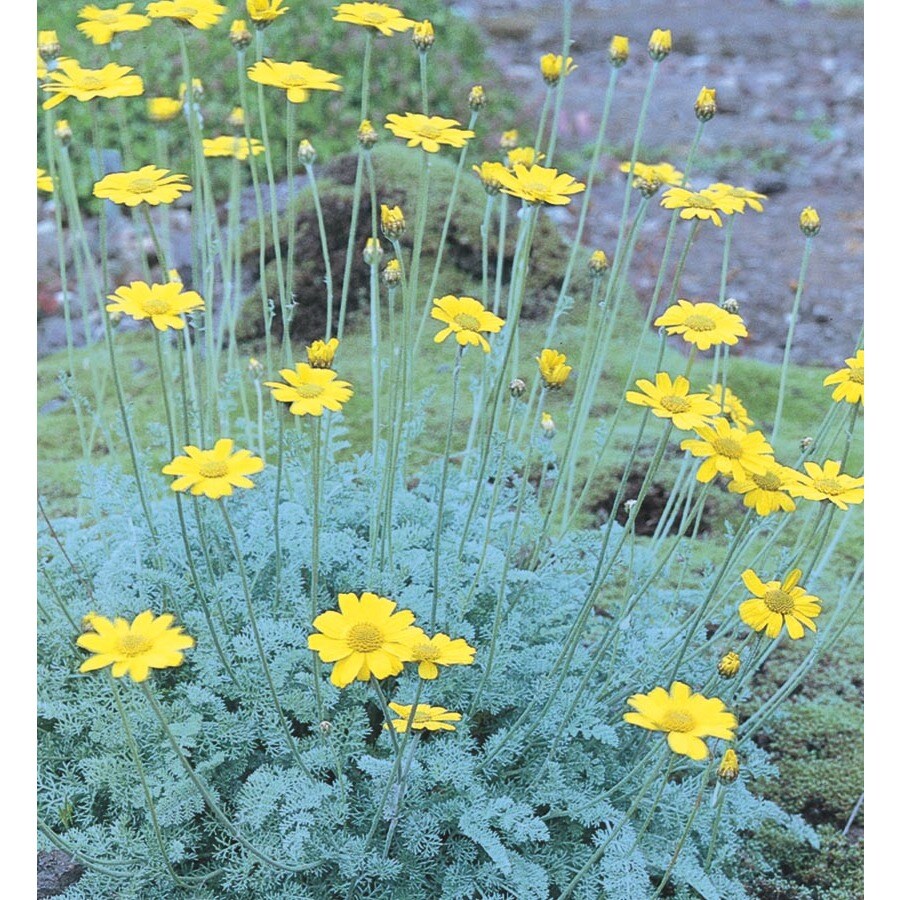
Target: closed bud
<point x="325" y="726"/>
<point x="809" y="222"/>
<point x="392" y="273"/>
<point x="598" y="264"/>
<point x="660" y="44"/>
<point x="235" y="118"/>
<point x="509" y="140"/>
<point x="553" y="368"/>
<point x="477" y="99"/>
<point x="553" y="68"/>
<point x="320" y="354"/>
<point x="618" y="51"/>
<point x="393" y="224"/>
<point x="517" y="387"/>
<point x="63" y="131"/>
<point x="306" y="153"/>
<point x="254" y="367"/>
<point x="239" y="35"/>
<point x="196" y="89"/>
<point x="731" y="305"/>
<point x="174" y="276"/>
<point x="373" y="252"/>
<point x="806" y="443"/>
<point x="629" y="506"/>
<point x="366" y="134"/>
<point x="423" y="35"/>
<point x="729" y="768"/>
<point x="729" y="665"/>
<point x="548" y="426"/>
<point x="705" y="104"/>
<point x="48" y="45"/>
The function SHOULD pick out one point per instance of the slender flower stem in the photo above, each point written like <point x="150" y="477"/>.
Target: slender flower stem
<point x="276" y="524"/>
<point x="501" y="253"/>
<point x="557" y="106"/>
<point x="326" y="253"/>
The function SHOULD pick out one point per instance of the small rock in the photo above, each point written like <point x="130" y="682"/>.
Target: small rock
<point x="56" y="871"/>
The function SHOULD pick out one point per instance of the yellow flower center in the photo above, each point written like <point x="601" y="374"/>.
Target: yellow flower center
<point x="143" y="185"/>
<point x="678" y="720"/>
<point x="309" y="391"/>
<point x="110" y="17"/>
<point x="768" y="481"/>
<point x="374" y="17"/>
<point x="213" y="469"/>
<point x="426" y="651"/>
<point x="185" y="12"/>
<point x="702" y="203"/>
<point x="728" y="447"/>
<point x="675" y="404"/>
<point x="92" y="81"/>
<point x="856" y="376"/>
<point x="156" y="306"/>
<point x="466" y="322"/>
<point x="699" y="322"/>
<point x="430" y="132"/>
<point x="134" y="644"/>
<point x="779" y="602"/>
<point x="365" y="637"/>
<point x="830" y="486"/>
<point x="293" y="79"/>
<point x="421" y="716"/>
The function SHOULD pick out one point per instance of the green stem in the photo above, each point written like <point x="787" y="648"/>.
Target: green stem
<point x="326" y="253"/>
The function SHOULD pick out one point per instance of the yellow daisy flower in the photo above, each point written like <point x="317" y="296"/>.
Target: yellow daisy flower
<point x="776" y="604"/>
<point x="163" y="304"/>
<point x="537" y="184"/>
<point x="69" y="79"/>
<point x="430" y="718"/>
<point x="826" y="482"/>
<point x="440" y="650"/>
<point x="669" y="399"/>
<point x="366" y="638"/>
<point x="310" y="390"/>
<point x="466" y="318"/>
<point x="149" y="642"/>
<point x="44" y="181"/>
<point x="733" y="408"/>
<point x="744" y="195"/>
<point x="148" y="184"/>
<point x="850" y="381"/>
<point x="663" y="172"/>
<point x="428" y="132"/>
<point x="320" y="354"/>
<point x="201" y="14"/>
<point x="731" y="451"/>
<point x="704" y="205"/>
<point x="767" y="491"/>
<point x="227" y="145"/>
<point x="263" y="12"/>
<point x="524" y="155"/>
<point x="213" y="473"/>
<point x="383" y="18"/>
<point x="687" y="717"/>
<point x="487" y="172"/>
<point x="297" y="78"/>
<point x="703" y="324"/>
<point x="102" y="25"/>
<point x="163" y="109"/>
<point x="553" y="368"/>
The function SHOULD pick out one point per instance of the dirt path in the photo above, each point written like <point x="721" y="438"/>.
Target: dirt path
<point x="790" y="124"/>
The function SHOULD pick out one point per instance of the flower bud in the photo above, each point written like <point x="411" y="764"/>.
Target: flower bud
<point x="729" y="767"/>
<point x="366" y="134"/>
<point x="391" y="274"/>
<point x="320" y="354"/>
<point x="629" y="505"/>
<point x="325" y="726"/>
<point x="196" y="89"/>
<point x="306" y="153"/>
<point x="553" y="368"/>
<point x="660" y="44"/>
<point x="648" y="183"/>
<point x="174" y="276"/>
<point x="87" y="621"/>
<point x="393" y="224"/>
<point x="509" y="140"/>
<point x="372" y="253"/>
<point x="806" y="443"/>
<point x="809" y="222"/>
<point x="235" y="118"/>
<point x="48" y="45"/>
<point x="731" y="305"/>
<point x="729" y="665"/>
<point x="705" y="104"/>
<point x="63" y="132"/>
<point x="423" y="35"/>
<point x="477" y="99"/>
<point x="548" y="426"/>
<point x="264" y="12"/>
<point x="254" y="367"/>
<point x="517" y="387"/>
<point x="618" y="51"/>
<point x="552" y="68"/>
<point x="239" y="35"/>
<point x="488" y="172"/>
<point x="598" y="264"/>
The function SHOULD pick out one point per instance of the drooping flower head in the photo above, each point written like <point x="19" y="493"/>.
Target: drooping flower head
<point x="163" y="109"/>
<point x="297" y="78"/>
<point x="44" y="181"/>
<point x="213" y="473"/>
<point x="264" y="12"/>
<point x="200" y="14"/>
<point x="704" y="205"/>
<point x="230" y="145"/>
<point x="385" y="19"/>
<point x="778" y="604"/>
<point x="466" y="318"/>
<point x="553" y="368"/>
<point x="440" y="650"/>
<point x="366" y="638"/>
<point x="827" y="482"/>
<point x="767" y="491"/>
<point x="850" y="381"/>
<point x="320" y="354"/>
<point x="148" y="184"/>
<point x="163" y="304"/>
<point x="310" y="391"/>
<point x="744" y="195"/>
<point x="69" y="79"/>
<point x="538" y="184"/>
<point x="149" y="642"/>
<point x="730" y="451"/>
<point x="685" y="716"/>
<point x="553" y="68"/>
<point x="430" y="718"/>
<point x="428" y="132"/>
<point x="703" y="324"/>
<point x="102" y="25"/>
<point x="733" y="407"/>
<point x="670" y="399"/>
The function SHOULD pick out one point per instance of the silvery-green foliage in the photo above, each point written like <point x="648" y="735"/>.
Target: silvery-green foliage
<point x="505" y="806"/>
